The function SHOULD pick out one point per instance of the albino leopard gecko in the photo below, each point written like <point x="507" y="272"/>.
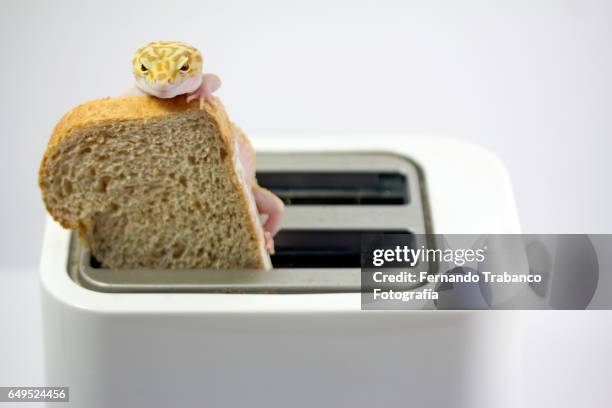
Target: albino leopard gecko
<point x="167" y="69"/>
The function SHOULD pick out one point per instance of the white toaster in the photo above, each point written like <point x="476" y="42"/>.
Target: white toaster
<point x="296" y="336"/>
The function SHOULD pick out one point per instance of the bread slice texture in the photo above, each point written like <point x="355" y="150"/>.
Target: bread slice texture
<point x="152" y="183"/>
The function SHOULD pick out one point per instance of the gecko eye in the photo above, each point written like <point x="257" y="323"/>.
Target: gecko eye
<point x="143" y="68"/>
<point x="185" y="67"/>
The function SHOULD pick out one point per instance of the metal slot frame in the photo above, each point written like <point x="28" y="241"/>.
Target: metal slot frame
<point x="412" y="217"/>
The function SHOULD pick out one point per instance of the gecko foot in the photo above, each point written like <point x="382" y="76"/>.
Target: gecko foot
<point x="269" y="242"/>
<point x="210" y="83"/>
<point x="201" y="95"/>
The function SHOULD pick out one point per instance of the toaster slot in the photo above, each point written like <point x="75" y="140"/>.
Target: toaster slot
<point x="314" y="261"/>
<point x="320" y="248"/>
<point x="336" y="188"/>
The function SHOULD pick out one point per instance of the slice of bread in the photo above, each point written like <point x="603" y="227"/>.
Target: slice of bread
<point x="152" y="183"/>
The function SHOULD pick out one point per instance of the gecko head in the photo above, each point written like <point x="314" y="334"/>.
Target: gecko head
<point x="167" y="68"/>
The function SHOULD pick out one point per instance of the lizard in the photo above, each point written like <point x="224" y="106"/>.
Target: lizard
<point x="167" y="69"/>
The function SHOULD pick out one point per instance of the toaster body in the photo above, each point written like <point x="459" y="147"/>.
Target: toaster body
<point x="298" y="335"/>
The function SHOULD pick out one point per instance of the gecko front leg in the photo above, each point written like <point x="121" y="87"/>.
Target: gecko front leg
<point x="210" y="83"/>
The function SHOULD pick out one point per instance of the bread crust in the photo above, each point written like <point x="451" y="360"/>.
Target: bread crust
<point x="129" y="108"/>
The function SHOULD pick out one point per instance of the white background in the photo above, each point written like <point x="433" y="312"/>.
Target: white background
<point x="530" y="80"/>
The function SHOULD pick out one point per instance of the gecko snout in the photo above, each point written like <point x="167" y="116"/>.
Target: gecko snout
<point x="164" y="85"/>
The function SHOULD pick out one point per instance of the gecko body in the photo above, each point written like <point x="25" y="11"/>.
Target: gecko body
<point x="167" y="69"/>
